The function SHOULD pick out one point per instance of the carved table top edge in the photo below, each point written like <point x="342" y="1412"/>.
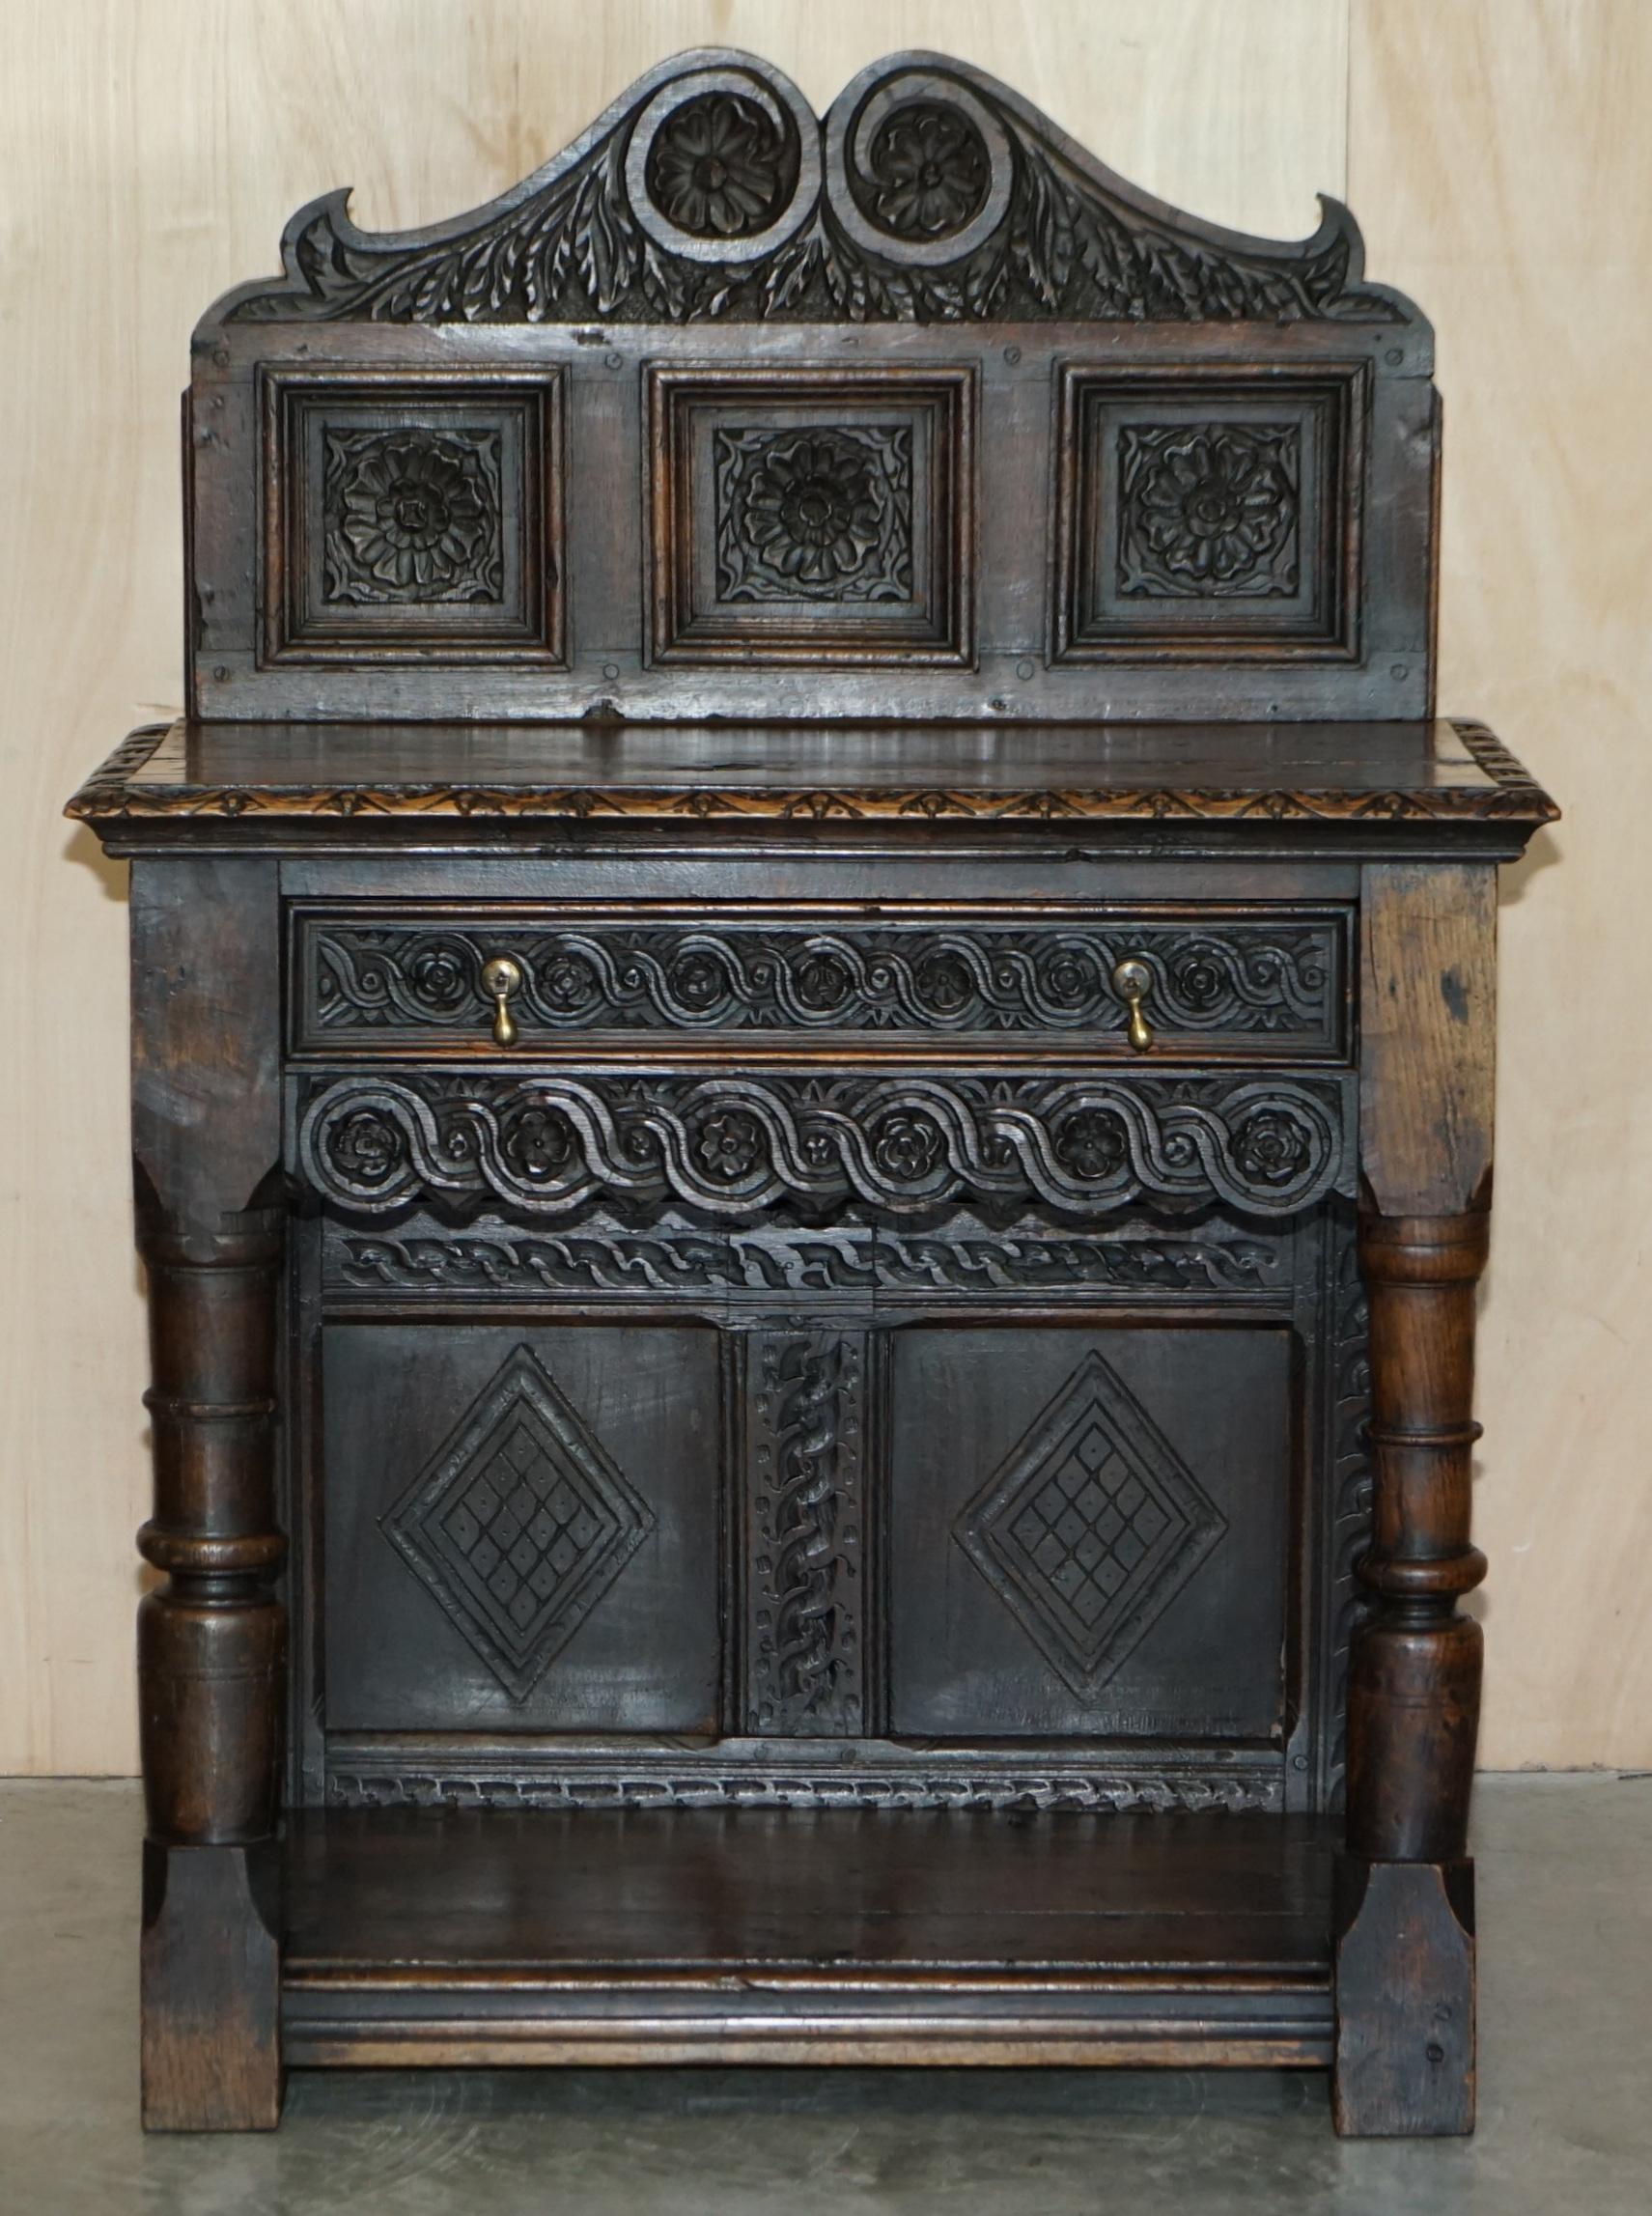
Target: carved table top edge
<point x="1453" y="772"/>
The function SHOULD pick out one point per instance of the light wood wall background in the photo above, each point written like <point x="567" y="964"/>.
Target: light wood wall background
<point x="1497" y="153"/>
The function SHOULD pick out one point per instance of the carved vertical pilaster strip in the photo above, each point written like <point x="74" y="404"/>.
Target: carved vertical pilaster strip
<point x="807" y="1586"/>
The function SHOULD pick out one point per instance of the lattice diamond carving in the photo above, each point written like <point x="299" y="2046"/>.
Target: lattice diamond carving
<point x="1090" y="1528"/>
<point x="520" y="1525"/>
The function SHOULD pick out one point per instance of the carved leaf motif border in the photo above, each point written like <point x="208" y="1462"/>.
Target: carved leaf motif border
<point x="112" y="794"/>
<point x="1018" y="224"/>
<point x="798" y="1786"/>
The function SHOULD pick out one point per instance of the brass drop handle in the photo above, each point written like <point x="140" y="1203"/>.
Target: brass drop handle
<point x="1132" y="981"/>
<point x="500" y="978"/>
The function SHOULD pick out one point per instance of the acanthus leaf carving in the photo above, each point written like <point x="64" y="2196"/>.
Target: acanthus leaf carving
<point x="928" y="193"/>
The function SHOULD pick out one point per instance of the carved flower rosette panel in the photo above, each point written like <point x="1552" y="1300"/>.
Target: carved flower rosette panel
<point x="1209" y="511"/>
<point x="815" y="513"/>
<point x="412" y="515"/>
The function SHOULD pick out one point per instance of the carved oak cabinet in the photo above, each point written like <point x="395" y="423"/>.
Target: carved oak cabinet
<point x="812" y="1062"/>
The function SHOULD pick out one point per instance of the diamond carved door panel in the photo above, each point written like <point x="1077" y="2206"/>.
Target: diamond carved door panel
<point x="1091" y="1532"/>
<point x="1091" y="1527"/>
<point x="521" y="1525"/>
<point x="522" y="1529"/>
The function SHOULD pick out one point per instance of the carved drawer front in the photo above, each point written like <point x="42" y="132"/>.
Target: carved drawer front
<point x="520" y="1528"/>
<point x="1257" y="983"/>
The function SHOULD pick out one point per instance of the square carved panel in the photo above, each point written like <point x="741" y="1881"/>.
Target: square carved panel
<point x="1093" y="1533"/>
<point x="1215" y="514"/>
<point x="521" y="1525"/>
<point x="811" y="517"/>
<point x="413" y="517"/>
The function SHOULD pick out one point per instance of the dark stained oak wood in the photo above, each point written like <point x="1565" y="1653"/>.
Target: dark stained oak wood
<point x="212" y="1637"/>
<point x="813" y="1028"/>
<point x="1405" y="1990"/>
<point x="786" y="1935"/>
<point x="1395" y="780"/>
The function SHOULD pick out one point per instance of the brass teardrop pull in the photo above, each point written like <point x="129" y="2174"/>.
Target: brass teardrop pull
<point x="500" y="978"/>
<point x="1132" y="981"/>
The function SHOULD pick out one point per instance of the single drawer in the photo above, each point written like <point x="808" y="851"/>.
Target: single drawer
<point x="1259" y="983"/>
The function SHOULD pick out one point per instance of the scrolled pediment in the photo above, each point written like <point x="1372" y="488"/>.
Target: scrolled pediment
<point x="711" y="191"/>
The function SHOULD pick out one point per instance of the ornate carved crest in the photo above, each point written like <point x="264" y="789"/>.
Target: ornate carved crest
<point x="928" y="193"/>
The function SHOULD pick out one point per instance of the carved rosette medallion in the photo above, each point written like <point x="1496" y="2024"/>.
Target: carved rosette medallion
<point x="717" y="167"/>
<point x="814" y="514"/>
<point x="1209" y="510"/>
<point x="520" y="1525"/>
<point x="1090" y="1528"/>
<point x="928" y="171"/>
<point x="412" y="515"/>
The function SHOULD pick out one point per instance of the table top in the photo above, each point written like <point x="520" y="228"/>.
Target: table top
<point x="1439" y="771"/>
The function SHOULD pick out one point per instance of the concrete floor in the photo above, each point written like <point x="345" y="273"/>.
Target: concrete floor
<point x="1565" y="2082"/>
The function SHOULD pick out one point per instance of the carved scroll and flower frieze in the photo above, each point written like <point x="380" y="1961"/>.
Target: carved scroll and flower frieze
<point x="1262" y="980"/>
<point x="928" y="193"/>
<point x="738" y="1147"/>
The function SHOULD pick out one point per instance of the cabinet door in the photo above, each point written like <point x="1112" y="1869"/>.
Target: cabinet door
<point x="520" y="1528"/>
<point x="1090" y="1531"/>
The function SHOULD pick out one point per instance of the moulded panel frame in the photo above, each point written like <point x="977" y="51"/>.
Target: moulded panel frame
<point x="1327" y="405"/>
<point x="690" y="621"/>
<point x="521" y="407"/>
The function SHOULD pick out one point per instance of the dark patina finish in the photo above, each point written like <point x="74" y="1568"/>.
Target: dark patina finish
<point x="813" y="1042"/>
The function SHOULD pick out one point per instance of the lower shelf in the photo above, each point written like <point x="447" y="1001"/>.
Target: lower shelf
<point x="764" y="1935"/>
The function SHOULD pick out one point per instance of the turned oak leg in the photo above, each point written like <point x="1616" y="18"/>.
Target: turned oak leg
<point x="211" y="1645"/>
<point x="212" y="1636"/>
<point x="1406" y="1906"/>
<point x="1404" y="1910"/>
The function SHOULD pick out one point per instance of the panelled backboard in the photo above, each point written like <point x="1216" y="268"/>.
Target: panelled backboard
<point x="914" y="411"/>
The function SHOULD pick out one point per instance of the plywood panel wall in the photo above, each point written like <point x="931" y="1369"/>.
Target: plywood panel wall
<point x="148" y="158"/>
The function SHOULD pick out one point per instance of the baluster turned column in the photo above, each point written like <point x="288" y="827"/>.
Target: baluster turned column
<point x="212" y="1637"/>
<point x="1405" y="1954"/>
